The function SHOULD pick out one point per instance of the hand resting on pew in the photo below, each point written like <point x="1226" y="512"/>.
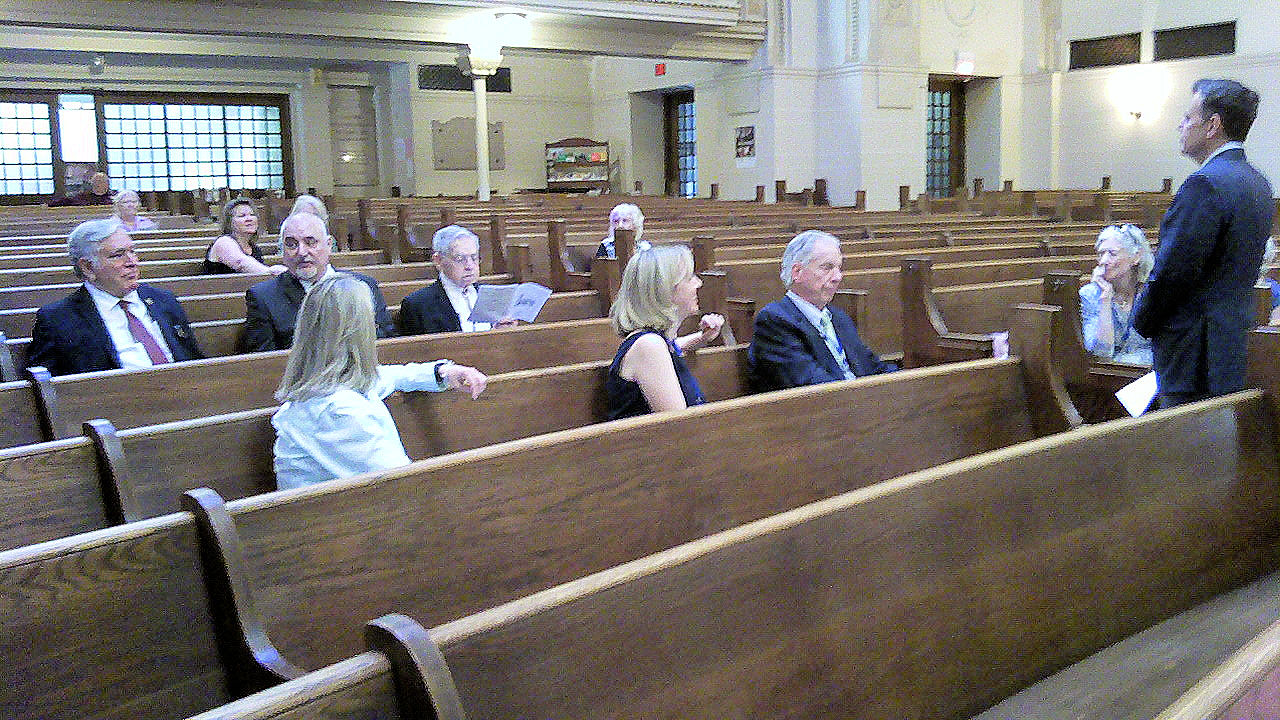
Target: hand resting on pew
<point x="333" y="422"/>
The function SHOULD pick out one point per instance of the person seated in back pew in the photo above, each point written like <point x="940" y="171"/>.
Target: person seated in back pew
<point x="113" y="320"/>
<point x="311" y="204"/>
<point x="333" y="423"/>
<point x="801" y="339"/>
<point x="624" y="216"/>
<point x="98" y="193"/>
<point x="648" y="374"/>
<point x="272" y="305"/>
<point x="1268" y="257"/>
<point x="236" y="251"/>
<point x="446" y="304"/>
<point x="127" y="205"/>
<point x="1106" y="303"/>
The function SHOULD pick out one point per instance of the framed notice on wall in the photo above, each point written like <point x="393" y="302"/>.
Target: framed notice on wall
<point x="745" y="146"/>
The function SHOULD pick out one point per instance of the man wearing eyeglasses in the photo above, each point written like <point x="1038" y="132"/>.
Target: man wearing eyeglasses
<point x="446" y="304"/>
<point x="113" y="320"/>
<point x="1197" y="305"/>
<point x="272" y="305"/>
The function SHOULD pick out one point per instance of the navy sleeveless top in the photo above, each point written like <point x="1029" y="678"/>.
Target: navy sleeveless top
<point x="213" y="267"/>
<point x="625" y="398"/>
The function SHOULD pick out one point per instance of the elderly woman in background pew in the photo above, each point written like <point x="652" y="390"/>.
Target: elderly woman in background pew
<point x="1106" y="303"/>
<point x="624" y="216"/>
<point x="1269" y="257"/>
<point x="127" y="204"/>
<point x="236" y="251"/>
<point x="333" y="423"/>
<point x="648" y="373"/>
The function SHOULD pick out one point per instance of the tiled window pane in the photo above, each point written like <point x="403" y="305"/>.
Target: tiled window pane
<point x="26" y="160"/>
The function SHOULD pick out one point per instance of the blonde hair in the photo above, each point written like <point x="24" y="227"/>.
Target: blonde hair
<point x="311" y="204"/>
<point x="333" y="344"/>
<point x="644" y="299"/>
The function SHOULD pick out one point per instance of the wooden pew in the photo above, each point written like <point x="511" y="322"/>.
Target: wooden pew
<point x="20" y="416"/>
<point x="132" y="398"/>
<point x="111" y="477"/>
<point x="112" y="624"/>
<point x="521" y="516"/>
<point x="935" y="594"/>
<point x="402" y="675"/>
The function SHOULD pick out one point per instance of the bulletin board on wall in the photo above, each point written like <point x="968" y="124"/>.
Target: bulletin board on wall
<point x="453" y="144"/>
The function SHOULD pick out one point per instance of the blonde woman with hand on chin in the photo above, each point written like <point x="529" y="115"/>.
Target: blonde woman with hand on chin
<point x="648" y="374"/>
<point x="1106" y="303"/>
<point x="333" y="423"/>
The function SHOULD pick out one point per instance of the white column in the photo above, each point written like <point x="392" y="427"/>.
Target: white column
<point x="482" y="138"/>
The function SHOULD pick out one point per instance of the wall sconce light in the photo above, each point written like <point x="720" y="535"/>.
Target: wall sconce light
<point x="346" y="157"/>
<point x="97" y="65"/>
<point x="1137" y="114"/>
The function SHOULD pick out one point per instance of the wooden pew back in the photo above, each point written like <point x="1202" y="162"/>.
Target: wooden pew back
<point x="112" y="624"/>
<point x="521" y="516"/>
<point x="932" y="595"/>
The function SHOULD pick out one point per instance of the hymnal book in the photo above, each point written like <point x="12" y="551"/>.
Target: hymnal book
<point x="495" y="303"/>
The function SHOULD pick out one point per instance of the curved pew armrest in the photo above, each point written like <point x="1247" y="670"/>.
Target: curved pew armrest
<point x="253" y="662"/>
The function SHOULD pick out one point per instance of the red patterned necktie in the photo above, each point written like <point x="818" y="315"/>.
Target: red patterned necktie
<point x="141" y="335"/>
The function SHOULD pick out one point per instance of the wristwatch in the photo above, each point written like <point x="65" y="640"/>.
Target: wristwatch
<point x="440" y="364"/>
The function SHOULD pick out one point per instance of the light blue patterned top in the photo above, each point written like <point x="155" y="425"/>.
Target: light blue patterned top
<point x="1129" y="346"/>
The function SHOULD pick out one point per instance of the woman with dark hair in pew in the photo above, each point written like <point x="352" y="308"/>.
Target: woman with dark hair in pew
<point x="236" y="251"/>
<point x="648" y="374"/>
<point x="333" y="423"/>
<point x="127" y="205"/>
<point x="1106" y="303"/>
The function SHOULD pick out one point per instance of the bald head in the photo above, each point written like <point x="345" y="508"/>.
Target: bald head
<point x="100" y="183"/>
<point x="305" y="245"/>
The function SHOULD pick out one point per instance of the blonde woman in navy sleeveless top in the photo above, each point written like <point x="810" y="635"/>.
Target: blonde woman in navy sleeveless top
<point x="648" y="374"/>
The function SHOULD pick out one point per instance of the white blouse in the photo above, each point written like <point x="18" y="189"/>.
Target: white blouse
<point x="344" y="433"/>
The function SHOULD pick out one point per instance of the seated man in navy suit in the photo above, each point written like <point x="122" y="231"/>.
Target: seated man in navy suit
<point x="112" y="321"/>
<point x="272" y="305"/>
<point x="446" y="304"/>
<point x="801" y="339"/>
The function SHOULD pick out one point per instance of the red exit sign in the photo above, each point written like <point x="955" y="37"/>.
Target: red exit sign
<point x="659" y="69"/>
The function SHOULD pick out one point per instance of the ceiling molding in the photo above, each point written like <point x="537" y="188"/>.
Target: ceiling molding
<point x="697" y="29"/>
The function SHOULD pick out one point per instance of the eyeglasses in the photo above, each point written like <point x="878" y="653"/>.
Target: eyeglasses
<point x="464" y="259"/>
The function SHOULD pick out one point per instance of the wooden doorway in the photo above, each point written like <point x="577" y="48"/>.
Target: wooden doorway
<point x="681" y="143"/>
<point x="944" y="136"/>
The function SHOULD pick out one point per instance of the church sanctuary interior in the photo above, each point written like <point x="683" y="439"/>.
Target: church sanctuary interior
<point x="893" y="469"/>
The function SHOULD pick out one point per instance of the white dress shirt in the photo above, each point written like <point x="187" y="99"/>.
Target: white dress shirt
<point x="463" y="302"/>
<point x="1228" y="145"/>
<point x="131" y="352"/>
<point x="345" y="433"/>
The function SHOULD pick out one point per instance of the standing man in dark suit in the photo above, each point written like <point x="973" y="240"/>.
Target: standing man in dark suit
<point x="801" y="339"/>
<point x="446" y="304"/>
<point x="272" y="305"/>
<point x="112" y="321"/>
<point x="1198" y="302"/>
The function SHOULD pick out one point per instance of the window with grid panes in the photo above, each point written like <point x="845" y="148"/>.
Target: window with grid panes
<point x="155" y="146"/>
<point x="938" y="148"/>
<point x="26" y="149"/>
<point x="686" y="134"/>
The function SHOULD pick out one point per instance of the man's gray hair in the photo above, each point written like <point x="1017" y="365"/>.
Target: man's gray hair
<point x="83" y="242"/>
<point x="800" y="249"/>
<point x="442" y="242"/>
<point x="300" y="216"/>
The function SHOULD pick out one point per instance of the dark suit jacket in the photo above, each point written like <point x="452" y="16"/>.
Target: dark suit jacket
<point x="272" y="311"/>
<point x="70" y="337"/>
<point x="428" y="310"/>
<point x="1197" y="305"/>
<point x="788" y="351"/>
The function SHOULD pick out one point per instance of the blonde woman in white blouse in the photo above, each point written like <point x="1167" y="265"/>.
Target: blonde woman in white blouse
<point x="333" y="423"/>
